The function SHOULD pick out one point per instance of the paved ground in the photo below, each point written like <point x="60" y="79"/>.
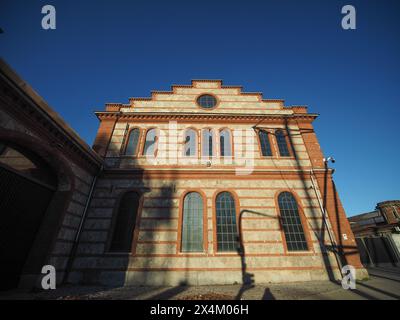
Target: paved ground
<point x="384" y="283"/>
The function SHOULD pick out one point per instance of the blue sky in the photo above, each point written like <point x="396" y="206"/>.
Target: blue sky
<point x="108" y="51"/>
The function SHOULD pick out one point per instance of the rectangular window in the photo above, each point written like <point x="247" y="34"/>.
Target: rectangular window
<point x="264" y="143"/>
<point x="207" y="143"/>
<point x="282" y="144"/>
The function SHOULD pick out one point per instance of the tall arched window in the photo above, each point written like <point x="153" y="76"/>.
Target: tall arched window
<point x="225" y="143"/>
<point x="150" y="145"/>
<point x="227" y="233"/>
<point x="282" y="143"/>
<point x="125" y="222"/>
<point x="207" y="143"/>
<point x="190" y="143"/>
<point x="192" y="223"/>
<point x="264" y="143"/>
<point x="132" y="143"/>
<point x="291" y="223"/>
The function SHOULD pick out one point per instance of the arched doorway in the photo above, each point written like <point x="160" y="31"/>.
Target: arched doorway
<point x="27" y="185"/>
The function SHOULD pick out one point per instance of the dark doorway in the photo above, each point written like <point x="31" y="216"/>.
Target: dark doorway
<point x="125" y="222"/>
<point x="380" y="250"/>
<point x="26" y="188"/>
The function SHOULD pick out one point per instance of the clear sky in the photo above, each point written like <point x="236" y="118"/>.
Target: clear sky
<point x="108" y="51"/>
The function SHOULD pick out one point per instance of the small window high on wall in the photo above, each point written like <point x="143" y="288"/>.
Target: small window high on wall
<point x="132" y="143"/>
<point x="190" y="143"/>
<point x="150" y="145"/>
<point x="282" y="143"/>
<point x="225" y="143"/>
<point x="264" y="143"/>
<point x="207" y="143"/>
<point x="125" y="223"/>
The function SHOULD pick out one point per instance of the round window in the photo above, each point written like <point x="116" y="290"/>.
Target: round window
<point x="207" y="101"/>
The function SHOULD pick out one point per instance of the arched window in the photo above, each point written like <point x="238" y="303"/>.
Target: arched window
<point x="132" y="143"/>
<point x="264" y="143"/>
<point x="227" y="233"/>
<point x="190" y="143"/>
<point x="282" y="144"/>
<point x="225" y="143"/>
<point x="125" y="222"/>
<point x="150" y="145"/>
<point x="208" y="143"/>
<point x="291" y="223"/>
<point x="192" y="223"/>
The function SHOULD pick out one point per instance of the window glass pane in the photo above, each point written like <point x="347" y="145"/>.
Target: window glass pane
<point x="190" y="143"/>
<point x="150" y="143"/>
<point x="225" y="143"/>
<point x="125" y="223"/>
<point x="207" y="143"/>
<point x="282" y="145"/>
<point x="227" y="235"/>
<point x="132" y="144"/>
<point x="264" y="142"/>
<point x="291" y="223"/>
<point x="207" y="101"/>
<point x="192" y="225"/>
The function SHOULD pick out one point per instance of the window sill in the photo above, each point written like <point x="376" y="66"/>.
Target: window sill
<point x="192" y="254"/>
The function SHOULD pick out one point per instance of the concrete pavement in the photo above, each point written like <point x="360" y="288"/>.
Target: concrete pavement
<point x="384" y="284"/>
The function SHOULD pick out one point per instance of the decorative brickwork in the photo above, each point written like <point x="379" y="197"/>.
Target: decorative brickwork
<point x="262" y="254"/>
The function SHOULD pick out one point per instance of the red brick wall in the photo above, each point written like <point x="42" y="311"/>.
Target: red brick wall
<point x="333" y="205"/>
<point x="103" y="136"/>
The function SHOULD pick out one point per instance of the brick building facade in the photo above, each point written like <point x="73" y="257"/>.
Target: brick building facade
<point x="203" y="184"/>
<point x="225" y="186"/>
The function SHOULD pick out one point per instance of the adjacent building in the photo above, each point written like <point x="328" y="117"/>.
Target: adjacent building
<point x="46" y="174"/>
<point x="378" y="234"/>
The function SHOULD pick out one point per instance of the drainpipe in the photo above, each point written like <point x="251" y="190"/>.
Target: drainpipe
<point x="331" y="238"/>
<point x="80" y="228"/>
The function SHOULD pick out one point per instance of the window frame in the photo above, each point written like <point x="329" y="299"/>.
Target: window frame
<point x="214" y="149"/>
<point x="155" y="144"/>
<point x="114" y="218"/>
<point x="288" y="145"/>
<point x="269" y="141"/>
<point x="303" y="219"/>
<point x="180" y="223"/>
<point x="136" y="153"/>
<point x="231" y="144"/>
<point x="196" y="143"/>
<point x="207" y="94"/>
<point x="237" y="214"/>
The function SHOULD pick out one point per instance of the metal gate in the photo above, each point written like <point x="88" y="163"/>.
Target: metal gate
<point x="23" y="203"/>
<point x="376" y="250"/>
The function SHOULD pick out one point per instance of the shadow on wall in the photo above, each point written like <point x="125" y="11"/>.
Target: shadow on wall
<point x="321" y="236"/>
<point x="247" y="278"/>
<point x="138" y="233"/>
<point x="304" y="178"/>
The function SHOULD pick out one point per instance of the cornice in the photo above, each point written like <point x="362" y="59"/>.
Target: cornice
<point x="157" y="116"/>
<point x="206" y="173"/>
